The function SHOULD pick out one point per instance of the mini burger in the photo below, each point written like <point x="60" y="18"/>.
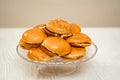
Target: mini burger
<point x="79" y="40"/>
<point x="75" y="29"/>
<point x="38" y="55"/>
<point x="27" y="46"/>
<point x="34" y="36"/>
<point x="58" y="27"/>
<point x="56" y="46"/>
<point x="75" y="53"/>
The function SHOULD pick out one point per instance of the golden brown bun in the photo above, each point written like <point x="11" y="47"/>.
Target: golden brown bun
<point x="27" y="46"/>
<point x="39" y="26"/>
<point x="75" y="53"/>
<point x="38" y="55"/>
<point x="34" y="36"/>
<point x="57" y="45"/>
<point x="75" y="28"/>
<point x="58" y="26"/>
<point x="81" y="40"/>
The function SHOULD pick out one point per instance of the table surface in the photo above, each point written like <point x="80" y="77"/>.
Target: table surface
<point x="104" y="66"/>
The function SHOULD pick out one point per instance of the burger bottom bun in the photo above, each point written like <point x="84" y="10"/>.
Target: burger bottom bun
<point x="50" y="33"/>
<point x="48" y="52"/>
<point x="80" y="44"/>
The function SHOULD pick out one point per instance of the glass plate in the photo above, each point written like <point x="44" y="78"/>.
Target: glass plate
<point x="62" y="66"/>
<point x="90" y="53"/>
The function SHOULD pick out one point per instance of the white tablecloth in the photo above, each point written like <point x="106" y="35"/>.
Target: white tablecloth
<point x="104" y="66"/>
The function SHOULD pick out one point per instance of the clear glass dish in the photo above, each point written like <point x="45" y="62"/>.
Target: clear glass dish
<point x="60" y="65"/>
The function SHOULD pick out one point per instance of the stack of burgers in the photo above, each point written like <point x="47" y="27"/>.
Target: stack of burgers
<point x="55" y="38"/>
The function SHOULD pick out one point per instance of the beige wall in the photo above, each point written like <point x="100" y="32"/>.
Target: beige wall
<point x="27" y="13"/>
